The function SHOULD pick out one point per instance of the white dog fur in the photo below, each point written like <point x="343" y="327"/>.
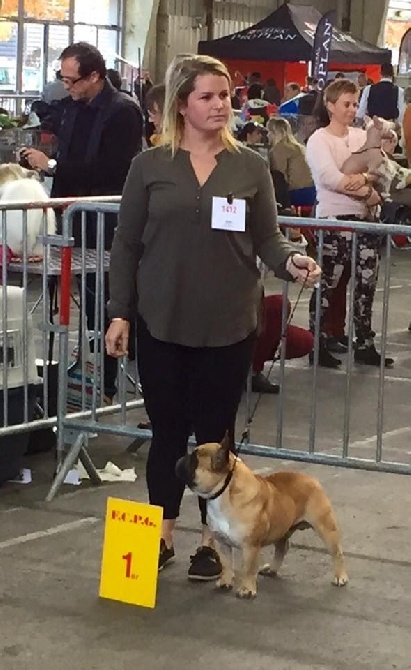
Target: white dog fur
<point x="20" y="185"/>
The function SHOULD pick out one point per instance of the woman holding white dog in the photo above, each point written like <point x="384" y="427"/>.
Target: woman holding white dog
<point x="201" y="207"/>
<point x="346" y="197"/>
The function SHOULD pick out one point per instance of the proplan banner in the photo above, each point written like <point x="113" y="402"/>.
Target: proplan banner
<point x="322" y="48"/>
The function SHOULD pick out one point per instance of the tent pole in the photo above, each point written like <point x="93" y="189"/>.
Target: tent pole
<point x="346" y="16"/>
<point x="209" y="18"/>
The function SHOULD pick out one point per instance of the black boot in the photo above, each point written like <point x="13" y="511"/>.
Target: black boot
<point x="260" y="384"/>
<point x="337" y="346"/>
<point x="325" y="359"/>
<point x="368" y="355"/>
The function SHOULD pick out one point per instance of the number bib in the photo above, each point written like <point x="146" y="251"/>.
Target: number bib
<point x="228" y="216"/>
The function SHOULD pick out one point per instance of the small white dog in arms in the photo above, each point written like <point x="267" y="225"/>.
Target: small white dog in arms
<point x="20" y="185"/>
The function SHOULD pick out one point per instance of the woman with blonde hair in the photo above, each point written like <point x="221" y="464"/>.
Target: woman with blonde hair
<point x="195" y="212"/>
<point x="288" y="156"/>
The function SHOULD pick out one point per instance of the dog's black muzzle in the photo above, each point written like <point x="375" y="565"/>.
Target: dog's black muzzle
<point x="186" y="469"/>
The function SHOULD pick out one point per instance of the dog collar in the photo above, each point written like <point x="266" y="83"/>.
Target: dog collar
<point x="226" y="483"/>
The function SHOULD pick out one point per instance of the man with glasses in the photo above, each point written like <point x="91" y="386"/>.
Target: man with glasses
<point x="99" y="132"/>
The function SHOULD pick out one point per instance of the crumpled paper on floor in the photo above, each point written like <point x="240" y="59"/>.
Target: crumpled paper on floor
<point x="110" y="473"/>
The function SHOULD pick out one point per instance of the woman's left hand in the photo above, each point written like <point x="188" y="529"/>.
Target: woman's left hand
<point x="356" y="181"/>
<point x="298" y="266"/>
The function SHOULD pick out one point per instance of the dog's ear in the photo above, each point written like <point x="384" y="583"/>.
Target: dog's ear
<point x="378" y="122"/>
<point x="221" y="456"/>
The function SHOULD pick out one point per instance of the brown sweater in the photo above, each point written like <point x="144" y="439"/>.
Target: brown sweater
<point x="196" y="286"/>
<point x="290" y="160"/>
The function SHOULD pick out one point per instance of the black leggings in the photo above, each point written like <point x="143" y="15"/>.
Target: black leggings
<point x="186" y="389"/>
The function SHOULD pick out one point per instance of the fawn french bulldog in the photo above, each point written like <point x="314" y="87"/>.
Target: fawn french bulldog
<point x="248" y="512"/>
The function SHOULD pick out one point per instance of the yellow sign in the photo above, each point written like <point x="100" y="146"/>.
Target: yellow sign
<point x="129" y="568"/>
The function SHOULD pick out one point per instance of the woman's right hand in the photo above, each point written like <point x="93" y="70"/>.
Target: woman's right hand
<point x="117" y="338"/>
<point x="374" y="198"/>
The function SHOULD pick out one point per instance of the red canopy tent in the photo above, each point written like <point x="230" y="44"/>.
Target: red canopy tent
<point x="280" y="46"/>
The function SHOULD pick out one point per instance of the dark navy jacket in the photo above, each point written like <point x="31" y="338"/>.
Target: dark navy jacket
<point x="383" y="100"/>
<point x="115" y="138"/>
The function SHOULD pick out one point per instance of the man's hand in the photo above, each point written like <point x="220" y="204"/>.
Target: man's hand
<point x="298" y="265"/>
<point x="117" y="338"/>
<point x="36" y="159"/>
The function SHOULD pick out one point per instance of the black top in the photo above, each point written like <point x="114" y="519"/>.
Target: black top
<point x="96" y="144"/>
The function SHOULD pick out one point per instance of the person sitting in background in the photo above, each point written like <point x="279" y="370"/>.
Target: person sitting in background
<point x="299" y="342"/>
<point x="155" y="107"/>
<point x="271" y="92"/>
<point x="255" y="107"/>
<point x="307" y="101"/>
<point x="54" y="90"/>
<point x="50" y="108"/>
<point x="288" y="156"/>
<point x="290" y="102"/>
<point x="235" y="99"/>
<point x="255" y="89"/>
<point x="251" y="133"/>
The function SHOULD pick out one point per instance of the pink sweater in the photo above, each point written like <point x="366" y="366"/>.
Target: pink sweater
<point x="325" y="156"/>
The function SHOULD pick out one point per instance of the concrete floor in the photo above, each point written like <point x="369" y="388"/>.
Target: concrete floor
<point x="50" y="553"/>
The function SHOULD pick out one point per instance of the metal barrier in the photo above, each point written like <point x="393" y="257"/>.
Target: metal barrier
<point x="83" y="376"/>
<point x="34" y="379"/>
<point x="13" y="139"/>
<point x="88" y="422"/>
<point x="17" y="103"/>
<point x="343" y="458"/>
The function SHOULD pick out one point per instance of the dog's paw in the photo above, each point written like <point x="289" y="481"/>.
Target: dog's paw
<point x="267" y="571"/>
<point x="224" y="584"/>
<point x="340" y="580"/>
<point x="246" y="593"/>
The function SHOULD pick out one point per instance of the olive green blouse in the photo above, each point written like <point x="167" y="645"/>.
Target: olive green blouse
<point x="196" y="286"/>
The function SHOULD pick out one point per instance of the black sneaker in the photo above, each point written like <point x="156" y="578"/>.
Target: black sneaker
<point x="370" y="356"/>
<point x="260" y="384"/>
<point x="205" y="565"/>
<point x="166" y="555"/>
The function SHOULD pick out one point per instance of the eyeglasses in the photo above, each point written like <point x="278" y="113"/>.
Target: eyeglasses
<point x="70" y="81"/>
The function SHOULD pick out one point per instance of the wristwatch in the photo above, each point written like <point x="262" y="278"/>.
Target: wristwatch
<point x="51" y="166"/>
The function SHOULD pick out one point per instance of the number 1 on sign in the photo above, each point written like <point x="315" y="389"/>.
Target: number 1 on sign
<point x="129" y="559"/>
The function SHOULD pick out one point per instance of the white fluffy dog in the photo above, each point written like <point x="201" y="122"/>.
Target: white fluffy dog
<point x="20" y="185"/>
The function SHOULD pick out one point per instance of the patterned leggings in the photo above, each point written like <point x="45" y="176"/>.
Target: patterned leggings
<point x="336" y="256"/>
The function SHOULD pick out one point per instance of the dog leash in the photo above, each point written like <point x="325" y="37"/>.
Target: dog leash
<point x="277" y="355"/>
